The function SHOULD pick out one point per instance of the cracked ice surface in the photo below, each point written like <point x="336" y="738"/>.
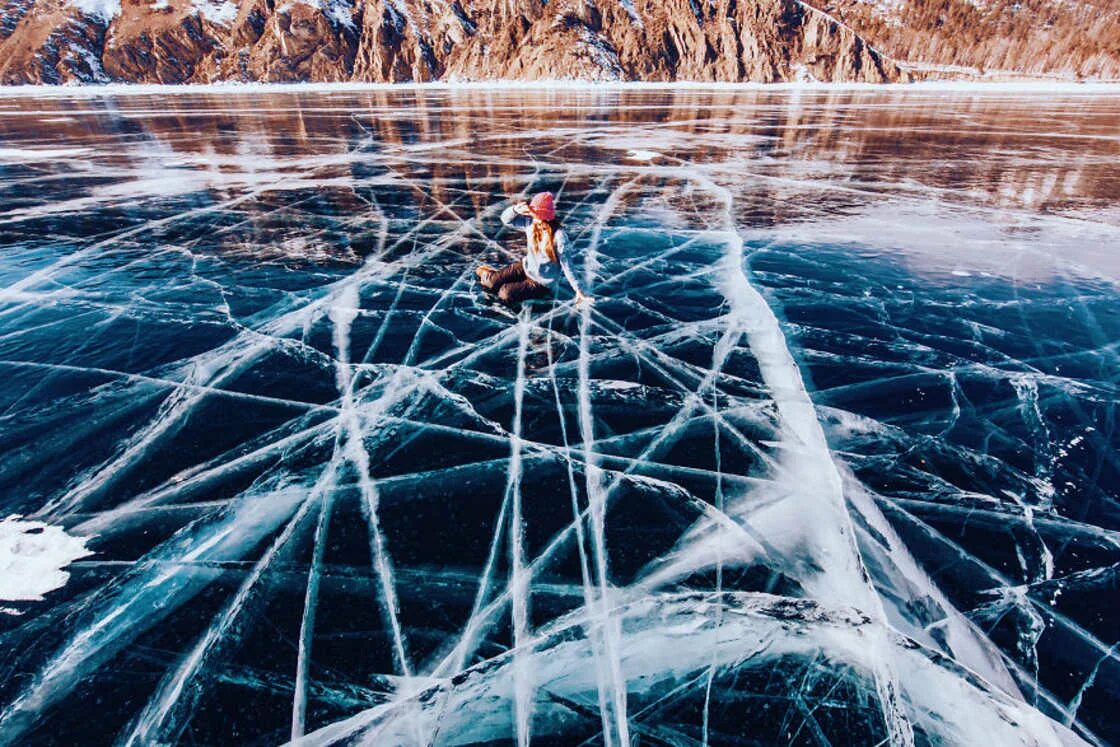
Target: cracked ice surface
<point x="831" y="460"/>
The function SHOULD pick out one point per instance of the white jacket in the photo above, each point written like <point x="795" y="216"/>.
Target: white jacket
<point x="537" y="264"/>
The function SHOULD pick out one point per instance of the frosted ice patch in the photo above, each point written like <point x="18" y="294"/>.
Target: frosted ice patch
<point x="39" y="154"/>
<point x="963" y="242"/>
<point x="33" y="556"/>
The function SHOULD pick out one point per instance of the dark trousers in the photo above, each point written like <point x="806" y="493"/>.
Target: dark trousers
<point x="513" y="286"/>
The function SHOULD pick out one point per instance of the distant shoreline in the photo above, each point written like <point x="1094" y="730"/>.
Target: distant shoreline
<point x="1041" y="86"/>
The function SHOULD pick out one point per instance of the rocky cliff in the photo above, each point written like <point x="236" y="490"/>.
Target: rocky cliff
<point x="1072" y="39"/>
<point x="201" y="41"/>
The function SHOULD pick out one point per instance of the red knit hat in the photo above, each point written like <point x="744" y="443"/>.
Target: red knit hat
<point x="543" y="205"/>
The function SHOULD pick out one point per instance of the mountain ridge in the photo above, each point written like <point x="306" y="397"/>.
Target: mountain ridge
<point x="208" y="41"/>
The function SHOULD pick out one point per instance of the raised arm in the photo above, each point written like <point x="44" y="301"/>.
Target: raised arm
<point x="561" y="241"/>
<point x="512" y="217"/>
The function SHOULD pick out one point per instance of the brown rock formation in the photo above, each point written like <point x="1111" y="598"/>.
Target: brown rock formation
<point x="53" y="42"/>
<point x="299" y="42"/>
<point x="199" y="41"/>
<point x="161" y="44"/>
<point x="173" y="41"/>
<point x="992" y="38"/>
<point x="410" y="42"/>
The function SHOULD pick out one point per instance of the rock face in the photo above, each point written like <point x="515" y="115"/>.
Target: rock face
<point x="992" y="38"/>
<point x="202" y="41"/>
<point x="665" y="40"/>
<point x="53" y="41"/>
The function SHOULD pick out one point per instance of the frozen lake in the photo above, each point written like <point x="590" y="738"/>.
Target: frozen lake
<point x="833" y="458"/>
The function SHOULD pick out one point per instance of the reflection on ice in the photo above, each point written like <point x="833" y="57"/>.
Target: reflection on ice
<point x="1015" y="245"/>
<point x="832" y="459"/>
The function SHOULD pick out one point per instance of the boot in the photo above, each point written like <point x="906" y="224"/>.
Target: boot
<point x="485" y="273"/>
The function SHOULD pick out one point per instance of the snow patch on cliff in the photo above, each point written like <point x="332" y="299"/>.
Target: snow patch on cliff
<point x="220" y="13"/>
<point x="602" y="55"/>
<point x="628" y="6"/>
<point x="402" y="17"/>
<point x="32" y="558"/>
<point x="103" y="10"/>
<point x="887" y="10"/>
<point x="339" y="12"/>
<point x="86" y="62"/>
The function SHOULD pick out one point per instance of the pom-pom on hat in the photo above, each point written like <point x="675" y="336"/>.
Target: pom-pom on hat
<point x="543" y="205"/>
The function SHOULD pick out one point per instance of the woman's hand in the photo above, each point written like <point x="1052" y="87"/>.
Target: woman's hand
<point x="521" y="207"/>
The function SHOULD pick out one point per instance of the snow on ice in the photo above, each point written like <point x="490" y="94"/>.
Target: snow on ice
<point x="33" y="558"/>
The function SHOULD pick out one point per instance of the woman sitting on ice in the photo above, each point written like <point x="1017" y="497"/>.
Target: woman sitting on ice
<point x="533" y="276"/>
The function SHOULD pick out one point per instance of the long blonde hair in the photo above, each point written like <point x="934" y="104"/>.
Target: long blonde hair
<point x="543" y="237"/>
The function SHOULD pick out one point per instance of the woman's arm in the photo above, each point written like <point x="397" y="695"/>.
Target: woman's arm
<point x="561" y="241"/>
<point x="514" y="216"/>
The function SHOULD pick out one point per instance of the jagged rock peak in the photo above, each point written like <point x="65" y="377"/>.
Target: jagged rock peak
<point x="201" y="41"/>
